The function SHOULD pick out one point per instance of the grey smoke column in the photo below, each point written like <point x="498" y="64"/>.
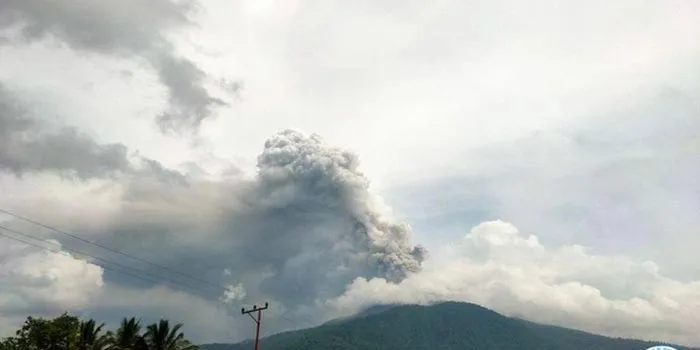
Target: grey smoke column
<point x="300" y="230"/>
<point x="298" y="170"/>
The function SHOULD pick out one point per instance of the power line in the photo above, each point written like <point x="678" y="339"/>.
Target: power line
<point x="5" y="235"/>
<point x="136" y="271"/>
<point x="62" y="250"/>
<point x="84" y="240"/>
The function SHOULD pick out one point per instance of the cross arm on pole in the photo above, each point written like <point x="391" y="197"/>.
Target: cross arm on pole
<point x="254" y="309"/>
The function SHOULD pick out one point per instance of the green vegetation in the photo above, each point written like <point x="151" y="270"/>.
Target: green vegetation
<point x="70" y="333"/>
<point x="446" y="326"/>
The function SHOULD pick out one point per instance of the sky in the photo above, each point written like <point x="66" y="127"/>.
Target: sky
<point x="538" y="158"/>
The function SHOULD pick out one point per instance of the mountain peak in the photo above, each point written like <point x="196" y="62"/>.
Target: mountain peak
<point x="444" y="326"/>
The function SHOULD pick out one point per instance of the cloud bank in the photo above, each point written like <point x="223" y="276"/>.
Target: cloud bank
<point x="26" y="146"/>
<point x="300" y="229"/>
<point x="498" y="266"/>
<point x="123" y="29"/>
<point x="36" y="281"/>
<point x="306" y="233"/>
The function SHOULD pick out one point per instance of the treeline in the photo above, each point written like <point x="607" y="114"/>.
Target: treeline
<point x="68" y="332"/>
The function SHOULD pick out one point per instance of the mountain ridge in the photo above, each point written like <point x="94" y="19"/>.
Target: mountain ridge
<point x="445" y="326"/>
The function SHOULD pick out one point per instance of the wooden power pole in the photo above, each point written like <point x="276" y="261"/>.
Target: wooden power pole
<point x="257" y="321"/>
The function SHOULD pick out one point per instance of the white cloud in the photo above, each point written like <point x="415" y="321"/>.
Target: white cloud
<point x="233" y="293"/>
<point x="422" y="81"/>
<point x="499" y="267"/>
<point x="44" y="282"/>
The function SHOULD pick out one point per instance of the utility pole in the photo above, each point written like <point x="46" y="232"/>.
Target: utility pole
<point x="257" y="321"/>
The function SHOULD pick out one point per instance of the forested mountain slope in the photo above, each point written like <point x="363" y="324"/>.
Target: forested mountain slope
<point x="445" y="326"/>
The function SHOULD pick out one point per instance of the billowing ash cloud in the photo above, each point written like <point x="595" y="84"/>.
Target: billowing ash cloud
<point x="124" y="28"/>
<point x="295" y="233"/>
<point x="304" y="176"/>
<point x="312" y="225"/>
<point x="300" y="230"/>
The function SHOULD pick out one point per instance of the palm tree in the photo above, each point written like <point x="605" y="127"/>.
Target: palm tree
<point x="90" y="338"/>
<point x="104" y="342"/>
<point x="127" y="335"/>
<point x="141" y="344"/>
<point x="160" y="336"/>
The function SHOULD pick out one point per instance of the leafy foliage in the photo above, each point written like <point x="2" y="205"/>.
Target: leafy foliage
<point x="128" y="335"/>
<point x="69" y="333"/>
<point x="90" y="338"/>
<point x="61" y="333"/>
<point x="160" y="336"/>
<point x="446" y="326"/>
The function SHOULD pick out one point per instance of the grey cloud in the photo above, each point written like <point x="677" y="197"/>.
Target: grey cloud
<point x="123" y="28"/>
<point x="67" y="151"/>
<point x="108" y="26"/>
<point x="299" y="231"/>
<point x="189" y="100"/>
<point x="28" y="146"/>
<point x="232" y="86"/>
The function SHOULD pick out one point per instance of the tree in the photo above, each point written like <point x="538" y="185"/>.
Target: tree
<point x="69" y="333"/>
<point x="9" y="344"/>
<point x="90" y="338"/>
<point x="160" y="336"/>
<point x="141" y="344"/>
<point x="127" y="335"/>
<point x="60" y="333"/>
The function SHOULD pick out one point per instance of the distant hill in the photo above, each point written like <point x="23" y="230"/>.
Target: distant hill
<point x="445" y="326"/>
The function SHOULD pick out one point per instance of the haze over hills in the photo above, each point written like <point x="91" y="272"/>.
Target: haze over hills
<point x="444" y="326"/>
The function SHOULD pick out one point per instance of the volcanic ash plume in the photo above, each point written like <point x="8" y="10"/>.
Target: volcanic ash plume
<point x="300" y="174"/>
